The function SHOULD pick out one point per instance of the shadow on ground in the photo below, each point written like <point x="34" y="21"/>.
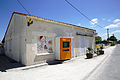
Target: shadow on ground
<point x="8" y="63"/>
<point x="55" y="62"/>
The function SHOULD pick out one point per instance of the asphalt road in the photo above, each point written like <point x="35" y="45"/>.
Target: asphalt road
<point x="110" y="69"/>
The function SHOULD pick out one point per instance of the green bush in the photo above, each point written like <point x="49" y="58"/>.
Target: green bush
<point x="118" y="42"/>
<point x="101" y="47"/>
<point x="97" y="42"/>
<point x="2" y="45"/>
<point x="112" y="44"/>
<point x="89" y="48"/>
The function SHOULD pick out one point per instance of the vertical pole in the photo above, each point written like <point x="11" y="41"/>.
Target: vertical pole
<point x="108" y="35"/>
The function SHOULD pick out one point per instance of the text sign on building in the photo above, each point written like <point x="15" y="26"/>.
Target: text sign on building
<point x="83" y="34"/>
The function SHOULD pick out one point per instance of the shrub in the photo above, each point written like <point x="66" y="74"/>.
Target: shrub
<point x="101" y="47"/>
<point x="1" y="44"/>
<point x="89" y="48"/>
<point x="97" y="41"/>
<point x="112" y="44"/>
<point x="118" y="42"/>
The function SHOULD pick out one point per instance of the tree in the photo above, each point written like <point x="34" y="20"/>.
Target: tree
<point x="112" y="38"/>
<point x="118" y="42"/>
<point x="1" y="44"/>
<point x="98" y="40"/>
<point x="104" y="42"/>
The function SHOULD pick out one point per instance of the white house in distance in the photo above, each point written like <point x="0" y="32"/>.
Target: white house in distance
<point x="31" y="40"/>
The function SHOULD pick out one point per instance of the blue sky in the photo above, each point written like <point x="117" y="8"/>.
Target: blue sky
<point x="106" y="13"/>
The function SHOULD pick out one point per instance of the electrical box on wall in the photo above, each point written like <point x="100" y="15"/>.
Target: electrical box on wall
<point x="63" y="48"/>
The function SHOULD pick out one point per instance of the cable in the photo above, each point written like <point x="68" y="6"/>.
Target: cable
<point x="81" y="13"/>
<point x="23" y="7"/>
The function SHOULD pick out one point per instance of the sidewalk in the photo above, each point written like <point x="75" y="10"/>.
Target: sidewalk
<point x="77" y="69"/>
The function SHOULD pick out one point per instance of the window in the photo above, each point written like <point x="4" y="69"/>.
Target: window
<point x="66" y="44"/>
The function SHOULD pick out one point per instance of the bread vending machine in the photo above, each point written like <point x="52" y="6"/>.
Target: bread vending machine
<point x="63" y="48"/>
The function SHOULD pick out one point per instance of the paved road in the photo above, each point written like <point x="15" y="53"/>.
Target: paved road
<point x="110" y="69"/>
<point x="76" y="69"/>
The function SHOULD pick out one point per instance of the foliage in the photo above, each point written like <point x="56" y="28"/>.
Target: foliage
<point x="101" y="47"/>
<point x="112" y="44"/>
<point x="89" y="48"/>
<point x="1" y="44"/>
<point x="112" y="38"/>
<point x="104" y="42"/>
<point x="118" y="42"/>
<point x="98" y="40"/>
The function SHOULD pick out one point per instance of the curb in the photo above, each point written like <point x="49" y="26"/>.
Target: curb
<point x="35" y="66"/>
<point x="38" y="65"/>
<point x="28" y="67"/>
<point x="46" y="64"/>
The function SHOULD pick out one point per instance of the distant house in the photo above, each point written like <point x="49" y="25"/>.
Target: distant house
<point x="31" y="40"/>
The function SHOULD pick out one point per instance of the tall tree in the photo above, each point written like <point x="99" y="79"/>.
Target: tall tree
<point x="118" y="41"/>
<point x="112" y="38"/>
<point x="98" y="40"/>
<point x="104" y="42"/>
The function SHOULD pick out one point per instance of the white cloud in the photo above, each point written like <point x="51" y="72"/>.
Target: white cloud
<point x="111" y="33"/>
<point x="116" y="20"/>
<point x="117" y="31"/>
<point x="108" y="20"/>
<point x="78" y="24"/>
<point x="94" y="21"/>
<point x="113" y="25"/>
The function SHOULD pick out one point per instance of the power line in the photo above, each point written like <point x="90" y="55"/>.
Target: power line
<point x="81" y="13"/>
<point x="23" y="7"/>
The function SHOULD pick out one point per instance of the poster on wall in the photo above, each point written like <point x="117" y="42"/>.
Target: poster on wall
<point x="44" y="45"/>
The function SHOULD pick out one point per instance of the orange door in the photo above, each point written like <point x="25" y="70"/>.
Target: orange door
<point x="65" y="48"/>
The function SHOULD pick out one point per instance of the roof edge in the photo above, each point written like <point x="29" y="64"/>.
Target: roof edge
<point x="52" y="20"/>
<point x="42" y="18"/>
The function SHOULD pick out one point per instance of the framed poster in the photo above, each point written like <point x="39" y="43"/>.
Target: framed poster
<point x="44" y="45"/>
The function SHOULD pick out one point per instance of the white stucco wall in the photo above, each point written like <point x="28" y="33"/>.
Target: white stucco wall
<point x="21" y="40"/>
<point x="42" y="28"/>
<point x="15" y="39"/>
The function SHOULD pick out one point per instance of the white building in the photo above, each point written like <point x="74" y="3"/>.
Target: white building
<point x="44" y="40"/>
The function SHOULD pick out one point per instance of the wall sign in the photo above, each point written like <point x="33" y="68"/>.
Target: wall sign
<point x="30" y="21"/>
<point x="84" y="34"/>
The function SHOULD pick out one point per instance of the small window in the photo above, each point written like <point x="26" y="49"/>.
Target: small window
<point x="66" y="44"/>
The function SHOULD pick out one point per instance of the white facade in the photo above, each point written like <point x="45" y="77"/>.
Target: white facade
<point x="37" y="43"/>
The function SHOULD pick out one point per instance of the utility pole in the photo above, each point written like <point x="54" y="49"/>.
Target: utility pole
<point x="108" y="35"/>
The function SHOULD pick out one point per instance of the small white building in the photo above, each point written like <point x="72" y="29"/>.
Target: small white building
<point x="44" y="40"/>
